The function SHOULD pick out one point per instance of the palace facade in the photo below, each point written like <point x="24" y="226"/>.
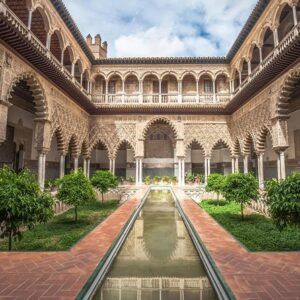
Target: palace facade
<point x="64" y="105"/>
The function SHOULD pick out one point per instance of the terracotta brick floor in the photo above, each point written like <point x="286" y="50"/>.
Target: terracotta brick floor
<point x="60" y="275"/>
<point x="259" y="275"/>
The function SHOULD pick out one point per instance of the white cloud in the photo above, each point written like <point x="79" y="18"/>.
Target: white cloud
<point x="163" y="27"/>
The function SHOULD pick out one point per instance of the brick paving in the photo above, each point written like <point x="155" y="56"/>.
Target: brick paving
<point x="61" y="275"/>
<point x="250" y="275"/>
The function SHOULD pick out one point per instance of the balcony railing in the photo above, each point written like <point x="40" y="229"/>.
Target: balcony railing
<point x="17" y="23"/>
<point x="287" y="40"/>
<point x="102" y="99"/>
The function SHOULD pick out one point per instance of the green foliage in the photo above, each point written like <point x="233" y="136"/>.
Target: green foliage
<point x="283" y="198"/>
<point x="61" y="233"/>
<point x="50" y="185"/>
<point x="75" y="189"/>
<point x="147" y="180"/>
<point x="103" y="181"/>
<point x="22" y="204"/>
<point x="174" y="179"/>
<point x="199" y="178"/>
<point x="215" y="183"/>
<point x="166" y="179"/>
<point x="256" y="232"/>
<point x="131" y="179"/>
<point x="240" y="188"/>
<point x="190" y="177"/>
<point x="156" y="179"/>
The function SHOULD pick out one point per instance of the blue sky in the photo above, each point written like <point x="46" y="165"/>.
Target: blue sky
<point x="135" y="28"/>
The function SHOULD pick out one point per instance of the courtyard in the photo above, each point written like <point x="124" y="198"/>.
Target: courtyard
<point x="149" y="177"/>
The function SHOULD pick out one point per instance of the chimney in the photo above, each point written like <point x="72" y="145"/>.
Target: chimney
<point x="98" y="39"/>
<point x="97" y="48"/>
<point x="89" y="40"/>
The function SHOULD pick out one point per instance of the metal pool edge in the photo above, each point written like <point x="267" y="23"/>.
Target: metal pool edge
<point x="219" y="284"/>
<point x="96" y="279"/>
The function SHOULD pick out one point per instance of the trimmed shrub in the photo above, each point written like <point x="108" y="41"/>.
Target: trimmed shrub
<point x="283" y="199"/>
<point x="103" y="181"/>
<point x="240" y="188"/>
<point x="22" y="204"/>
<point x="75" y="189"/>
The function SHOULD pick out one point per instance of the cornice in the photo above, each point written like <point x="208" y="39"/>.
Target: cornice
<point x="161" y="60"/>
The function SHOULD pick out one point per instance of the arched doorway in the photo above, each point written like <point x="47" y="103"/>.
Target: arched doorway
<point x="195" y="161"/>
<point x="19" y="149"/>
<point x="99" y="157"/>
<point x="221" y="161"/>
<point x="160" y="143"/>
<point x="125" y="161"/>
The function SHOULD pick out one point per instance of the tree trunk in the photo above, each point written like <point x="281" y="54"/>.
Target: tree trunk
<point x="242" y="211"/>
<point x="10" y="241"/>
<point x="102" y="198"/>
<point x="76" y="217"/>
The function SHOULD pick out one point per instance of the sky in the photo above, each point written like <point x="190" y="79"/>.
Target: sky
<point x="158" y="28"/>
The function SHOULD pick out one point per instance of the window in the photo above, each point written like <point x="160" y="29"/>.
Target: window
<point x="112" y="87"/>
<point x="208" y="86"/>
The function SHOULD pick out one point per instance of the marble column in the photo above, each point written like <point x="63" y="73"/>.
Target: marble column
<point x="75" y="163"/>
<point x="141" y="171"/>
<point x="62" y="164"/>
<point x="179" y="171"/>
<point x="205" y="169"/>
<point x="260" y="165"/>
<point x="281" y="168"/>
<point x="137" y="171"/>
<point x="295" y="15"/>
<point x="183" y="171"/>
<point x="41" y="169"/>
<point x="246" y="164"/>
<point x="233" y="165"/>
<point x="29" y="19"/>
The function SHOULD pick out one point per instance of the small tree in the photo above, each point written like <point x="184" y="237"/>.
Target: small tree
<point x="103" y="181"/>
<point x="22" y="204"/>
<point x="283" y="199"/>
<point x="241" y="188"/>
<point x="215" y="183"/>
<point x="75" y="189"/>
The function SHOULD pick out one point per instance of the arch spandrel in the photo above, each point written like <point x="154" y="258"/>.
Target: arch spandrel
<point x="41" y="104"/>
<point x="165" y="120"/>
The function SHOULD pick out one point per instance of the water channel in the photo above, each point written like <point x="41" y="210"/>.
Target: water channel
<point x="158" y="259"/>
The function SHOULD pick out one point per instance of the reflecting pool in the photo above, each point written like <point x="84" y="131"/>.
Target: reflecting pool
<point x="158" y="259"/>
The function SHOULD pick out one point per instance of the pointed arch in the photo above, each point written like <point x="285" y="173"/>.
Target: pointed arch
<point x="73" y="146"/>
<point x="287" y="90"/>
<point x="97" y="142"/>
<point x="120" y="144"/>
<point x="157" y="120"/>
<point x="261" y="139"/>
<point x="222" y="142"/>
<point x="190" y="144"/>
<point x="40" y="102"/>
<point x="58" y="133"/>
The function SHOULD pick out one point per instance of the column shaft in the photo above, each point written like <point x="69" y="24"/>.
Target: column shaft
<point x="137" y="171"/>
<point x="246" y="170"/>
<point x="62" y="166"/>
<point x="282" y="165"/>
<point x="179" y="171"/>
<point x="205" y="169"/>
<point x="141" y="171"/>
<point x="75" y="164"/>
<point x="261" y="170"/>
<point x="295" y="15"/>
<point x="233" y="165"/>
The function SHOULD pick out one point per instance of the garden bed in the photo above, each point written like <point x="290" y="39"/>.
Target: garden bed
<point x="62" y="232"/>
<point x="255" y="232"/>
